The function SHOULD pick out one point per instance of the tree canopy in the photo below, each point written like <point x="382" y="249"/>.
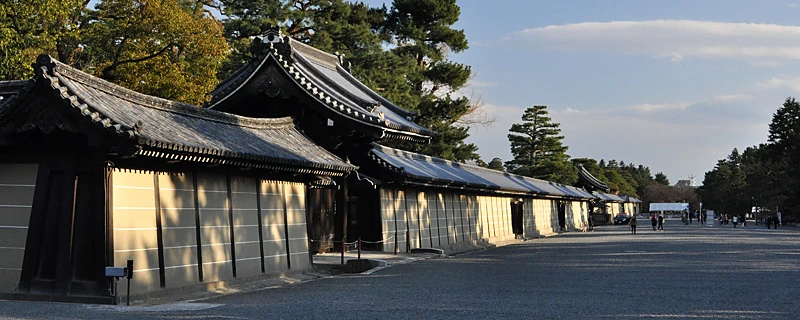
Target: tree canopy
<point x="400" y="52"/>
<point x="170" y="49"/>
<point x="764" y="176"/>
<point x="537" y="149"/>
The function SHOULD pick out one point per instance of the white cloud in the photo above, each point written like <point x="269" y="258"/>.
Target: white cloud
<point x="648" y="107"/>
<point x="481" y="84"/>
<point x="782" y="82"/>
<point x="672" y="39"/>
<point x="679" y="139"/>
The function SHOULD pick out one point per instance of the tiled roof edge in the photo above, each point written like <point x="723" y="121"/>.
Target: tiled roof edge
<point x="58" y="69"/>
<point x="427" y="158"/>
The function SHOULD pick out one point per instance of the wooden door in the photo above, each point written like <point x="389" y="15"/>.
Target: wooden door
<point x="66" y="244"/>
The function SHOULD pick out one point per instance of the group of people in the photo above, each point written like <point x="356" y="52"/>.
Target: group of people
<point x="656" y="221"/>
<point x="701" y="217"/>
<point x="773" y="220"/>
<point x="726" y="219"/>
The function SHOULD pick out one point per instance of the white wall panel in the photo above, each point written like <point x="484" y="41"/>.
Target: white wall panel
<point x="17" y="186"/>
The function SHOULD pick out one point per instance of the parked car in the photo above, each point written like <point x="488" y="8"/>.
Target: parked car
<point x="622" y="219"/>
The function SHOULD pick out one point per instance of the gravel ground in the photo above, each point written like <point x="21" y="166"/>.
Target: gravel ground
<point x="685" y="272"/>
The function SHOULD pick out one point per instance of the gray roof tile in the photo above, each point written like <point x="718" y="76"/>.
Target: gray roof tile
<point x="428" y="169"/>
<point x="166" y="128"/>
<point x="322" y="75"/>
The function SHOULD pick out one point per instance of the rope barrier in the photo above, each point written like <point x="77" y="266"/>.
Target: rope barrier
<point x="354" y="242"/>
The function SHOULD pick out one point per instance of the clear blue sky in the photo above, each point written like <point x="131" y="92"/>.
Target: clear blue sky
<point x="672" y="85"/>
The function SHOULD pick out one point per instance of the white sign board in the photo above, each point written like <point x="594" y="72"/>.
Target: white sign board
<point x="668" y="207"/>
<point x="710" y="218"/>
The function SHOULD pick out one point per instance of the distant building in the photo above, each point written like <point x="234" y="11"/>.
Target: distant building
<point x="686" y="183"/>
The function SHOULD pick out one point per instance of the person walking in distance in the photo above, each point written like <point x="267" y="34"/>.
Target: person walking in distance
<point x="633" y="223"/>
<point x="654" y="221"/>
<point x="660" y="222"/>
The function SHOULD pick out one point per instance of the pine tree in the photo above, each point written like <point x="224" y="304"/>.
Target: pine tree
<point x="784" y="149"/>
<point x="496" y="164"/>
<point x="421" y="31"/>
<point x="537" y="148"/>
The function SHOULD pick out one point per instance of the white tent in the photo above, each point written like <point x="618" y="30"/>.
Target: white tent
<point x="668" y="207"/>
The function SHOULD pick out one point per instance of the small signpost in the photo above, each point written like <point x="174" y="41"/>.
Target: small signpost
<point x="119" y="272"/>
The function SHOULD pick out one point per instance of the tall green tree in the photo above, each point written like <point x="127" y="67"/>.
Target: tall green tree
<point x="661" y="179"/>
<point x="537" y="149"/>
<point x="421" y="31"/>
<point x="29" y="28"/>
<point x="783" y="148"/>
<point x="334" y="26"/>
<point x="167" y="48"/>
<point x="496" y="164"/>
<point x="171" y="49"/>
<point x="400" y="52"/>
<point x="724" y="187"/>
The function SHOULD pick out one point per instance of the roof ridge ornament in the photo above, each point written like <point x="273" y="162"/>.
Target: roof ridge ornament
<point x="273" y="34"/>
<point x="44" y="64"/>
<point x="342" y="62"/>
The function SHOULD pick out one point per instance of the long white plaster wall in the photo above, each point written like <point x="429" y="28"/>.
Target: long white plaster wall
<point x="613" y="209"/>
<point x="630" y="208"/>
<point x="299" y="256"/>
<point x="17" y="185"/>
<point x="418" y="218"/>
<point x="577" y="213"/>
<point x="179" y="231"/>
<point x="135" y="228"/>
<point x="545" y="218"/>
<point x="206" y="221"/>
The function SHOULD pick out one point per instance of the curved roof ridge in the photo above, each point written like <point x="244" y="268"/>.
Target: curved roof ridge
<point x="62" y="71"/>
<point x="383" y="101"/>
<point x="330" y="61"/>
<point x="591" y="179"/>
<point x="322" y="76"/>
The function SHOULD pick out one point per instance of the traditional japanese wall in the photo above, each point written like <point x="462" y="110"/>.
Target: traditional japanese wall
<point x="184" y="229"/>
<point x="613" y="208"/>
<point x="421" y="218"/>
<point x="631" y="208"/>
<point x="17" y="185"/>
<point x="545" y="218"/>
<point x="577" y="213"/>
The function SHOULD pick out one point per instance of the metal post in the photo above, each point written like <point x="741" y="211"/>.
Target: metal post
<point x="359" y="248"/>
<point x="129" y="275"/>
<point x="116" y="291"/>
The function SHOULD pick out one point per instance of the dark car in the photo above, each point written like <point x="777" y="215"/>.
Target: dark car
<point x="622" y="219"/>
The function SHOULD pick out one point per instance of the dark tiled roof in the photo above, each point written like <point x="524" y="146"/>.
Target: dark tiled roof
<point x="177" y="131"/>
<point x="11" y="88"/>
<point x="591" y="180"/>
<point x="608" y="197"/>
<point x="322" y="76"/>
<point x="425" y="169"/>
<point x="628" y="198"/>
